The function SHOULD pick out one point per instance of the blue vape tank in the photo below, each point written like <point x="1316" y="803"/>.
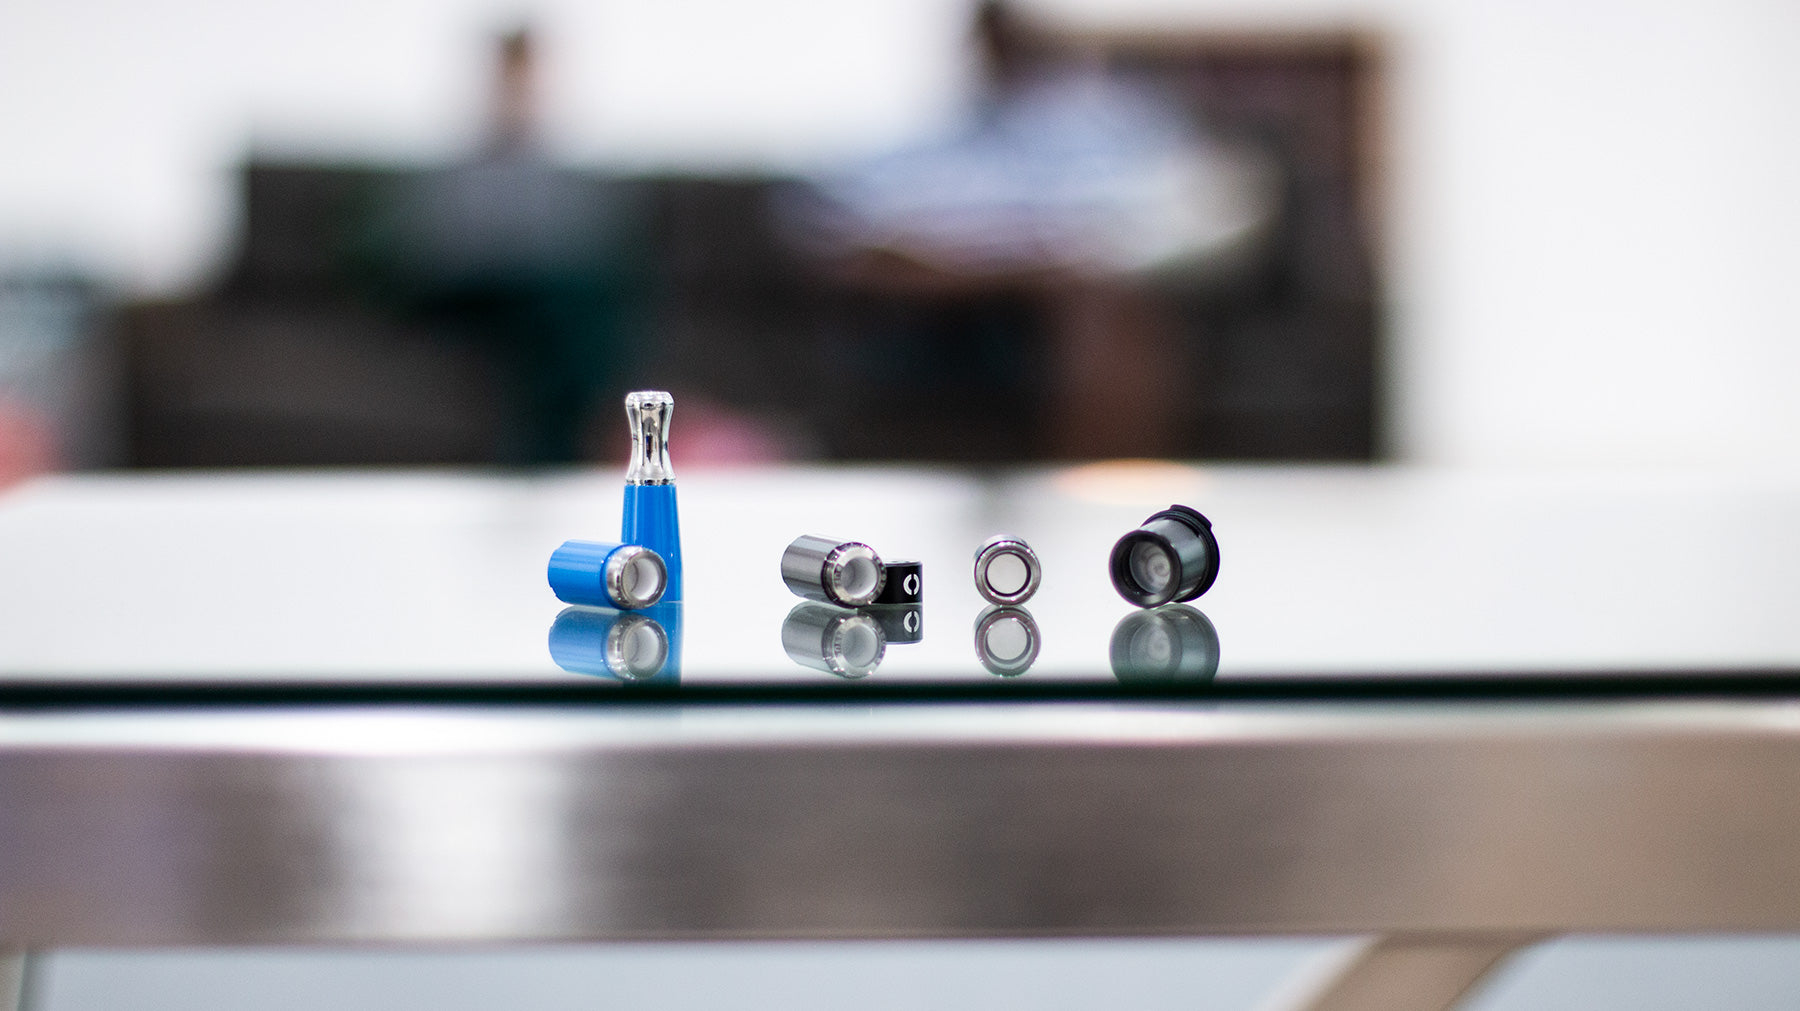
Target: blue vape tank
<point x="596" y="574"/>
<point x="650" y="516"/>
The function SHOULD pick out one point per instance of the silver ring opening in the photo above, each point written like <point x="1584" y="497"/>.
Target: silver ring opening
<point x="1007" y="571"/>
<point x="635" y="576"/>
<point x="853" y="574"/>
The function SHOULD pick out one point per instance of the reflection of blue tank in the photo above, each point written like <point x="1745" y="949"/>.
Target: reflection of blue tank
<point x="1172" y="644"/>
<point x="639" y="647"/>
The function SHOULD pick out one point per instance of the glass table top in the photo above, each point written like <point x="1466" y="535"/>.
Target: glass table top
<point x="1328" y="574"/>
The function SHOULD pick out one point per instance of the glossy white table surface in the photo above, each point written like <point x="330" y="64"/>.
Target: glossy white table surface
<point x="1326" y="571"/>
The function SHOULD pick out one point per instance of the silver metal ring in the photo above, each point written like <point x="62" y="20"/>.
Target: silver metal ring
<point x="1000" y="548"/>
<point x="845" y="560"/>
<point x="627" y="562"/>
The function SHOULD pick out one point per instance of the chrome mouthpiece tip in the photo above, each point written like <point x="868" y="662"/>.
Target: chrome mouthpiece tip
<point x="648" y="413"/>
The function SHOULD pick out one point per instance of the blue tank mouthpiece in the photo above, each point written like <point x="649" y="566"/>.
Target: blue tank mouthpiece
<point x="629" y="577"/>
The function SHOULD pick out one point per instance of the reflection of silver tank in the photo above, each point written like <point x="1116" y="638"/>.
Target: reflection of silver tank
<point x="1171" y="644"/>
<point x="1007" y="640"/>
<point x="849" y="644"/>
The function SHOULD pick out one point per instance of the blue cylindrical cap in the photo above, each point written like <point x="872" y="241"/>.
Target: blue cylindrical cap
<point x="602" y="574"/>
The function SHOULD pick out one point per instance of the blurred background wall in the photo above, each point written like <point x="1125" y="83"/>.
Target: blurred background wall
<point x="1581" y="218"/>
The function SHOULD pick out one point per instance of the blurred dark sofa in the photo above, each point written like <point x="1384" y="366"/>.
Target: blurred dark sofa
<point x="302" y="355"/>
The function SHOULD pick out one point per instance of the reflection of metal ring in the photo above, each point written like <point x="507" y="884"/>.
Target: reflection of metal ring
<point x="1007" y="640"/>
<point x="1007" y="570"/>
<point x="636" y="647"/>
<point x="1165" y="645"/>
<point x="849" y="644"/>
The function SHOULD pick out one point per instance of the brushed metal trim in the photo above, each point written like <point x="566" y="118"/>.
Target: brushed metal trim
<point x="336" y="825"/>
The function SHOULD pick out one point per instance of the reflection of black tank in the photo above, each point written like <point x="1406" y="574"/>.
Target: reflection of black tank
<point x="640" y="647"/>
<point x="1007" y="640"/>
<point x="1172" y="644"/>
<point x="901" y="624"/>
<point x="849" y="644"/>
